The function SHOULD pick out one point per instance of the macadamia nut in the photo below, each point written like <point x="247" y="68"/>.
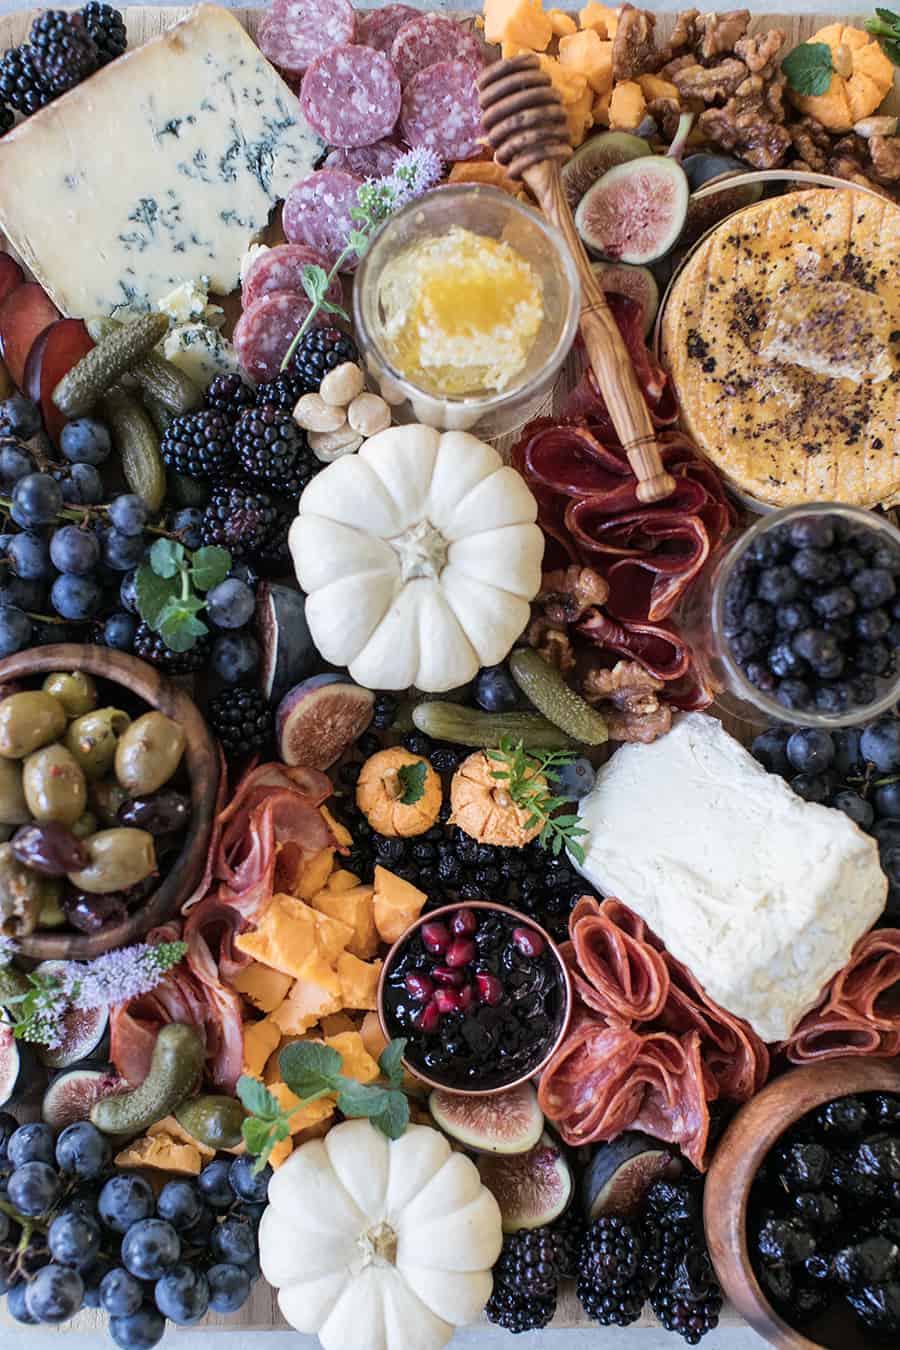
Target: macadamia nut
<point x="331" y="445"/>
<point x="312" y="413"/>
<point x="341" y="385"/>
<point x="368" y="414"/>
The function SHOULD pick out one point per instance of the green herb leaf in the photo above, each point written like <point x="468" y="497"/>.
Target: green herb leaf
<point x="329" y="308"/>
<point x="892" y="49"/>
<point x="358" y="241"/>
<point x="256" y="1133"/>
<point x="310" y="1069"/>
<point x="360" y="1099"/>
<point x="166" y="557"/>
<point x="412" y="777"/>
<point x="178" y="625"/>
<point x="393" y="1117"/>
<point x="809" y="68"/>
<point x="153" y="593"/>
<point x="524" y="772"/>
<point x="315" y="282"/>
<point x="888" y="16"/>
<point x="390" y="1061"/>
<point x="256" y="1098"/>
<point x="209" y="566"/>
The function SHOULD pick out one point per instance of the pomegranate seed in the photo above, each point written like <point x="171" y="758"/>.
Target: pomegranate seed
<point x="444" y="975"/>
<point x="466" y="997"/>
<point x="490" y="990"/>
<point x="464" y="923"/>
<point x="460" y="952"/>
<point x="446" y="1001"/>
<point x="429" y="1017"/>
<point x="419" y="986"/>
<point x="436" y="937"/>
<point x="528" y="942"/>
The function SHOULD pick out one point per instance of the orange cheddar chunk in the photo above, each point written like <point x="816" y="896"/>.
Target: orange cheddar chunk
<point x="589" y="55"/>
<point x="510" y="49"/>
<point x="317" y="1131"/>
<point x="281" y="1152"/>
<point x="303" y="1007"/>
<point x="601" y="18"/>
<point x="314" y="873"/>
<point x="373" y="1038"/>
<point x="343" y="837"/>
<point x="561" y="23"/>
<point x="356" y="908"/>
<point x="335" y="1023"/>
<point x="263" y="987"/>
<point x="397" y="904"/>
<point x="171" y="1127"/>
<point x="163" y="1152"/>
<point x="307" y="1115"/>
<point x="652" y="86"/>
<point x="521" y="21"/>
<point x="359" y="981"/>
<point x="356" y="1062"/>
<point x="260" y="1039"/>
<point x="316" y="970"/>
<point x="569" y="84"/>
<point x="341" y="880"/>
<point x="627" y="107"/>
<point x="600" y="110"/>
<point x="288" y="931"/>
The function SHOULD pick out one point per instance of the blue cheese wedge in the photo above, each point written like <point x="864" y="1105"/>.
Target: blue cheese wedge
<point x="161" y="168"/>
<point x="200" y="351"/>
<point x="762" y="895"/>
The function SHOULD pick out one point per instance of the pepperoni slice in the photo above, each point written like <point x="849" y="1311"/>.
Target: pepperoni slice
<point x="266" y="329"/>
<point x="280" y="268"/>
<point x="428" y="39"/>
<point x="295" y="32"/>
<point x="317" y="212"/>
<point x="351" y="96"/>
<point x="366" y="161"/>
<point x="440" y="110"/>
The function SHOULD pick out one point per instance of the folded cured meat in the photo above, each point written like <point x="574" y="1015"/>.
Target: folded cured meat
<point x="860" y="1011"/>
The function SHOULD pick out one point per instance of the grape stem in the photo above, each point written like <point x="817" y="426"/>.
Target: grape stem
<point x="81" y="514"/>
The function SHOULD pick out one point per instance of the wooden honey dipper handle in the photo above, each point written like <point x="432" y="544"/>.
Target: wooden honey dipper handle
<point x="526" y="126"/>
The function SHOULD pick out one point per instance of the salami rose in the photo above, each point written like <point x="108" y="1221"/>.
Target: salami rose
<point x="428" y="39"/>
<point x="295" y="32"/>
<point x="281" y="269"/>
<point x="351" y="96"/>
<point x="317" y="212"/>
<point x="266" y="329"/>
<point x="440" y="110"/>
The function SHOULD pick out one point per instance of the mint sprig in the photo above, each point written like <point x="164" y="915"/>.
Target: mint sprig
<point x="809" y="68"/>
<point x="313" y="1071"/>
<point x="886" y="27"/>
<point x="168" y="587"/>
<point x="412" y="780"/>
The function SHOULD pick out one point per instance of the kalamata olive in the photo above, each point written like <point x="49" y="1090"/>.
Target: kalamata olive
<point x="133" y="895"/>
<point x="28" y="721"/>
<point x="116" y="859"/>
<point x="75" y="690"/>
<point x="21" y="896"/>
<point x="92" y="739"/>
<point x="148" y="753"/>
<point x="85" y="824"/>
<point x="13" y="806"/>
<point x="55" y="788"/>
<point x="160" y="813"/>
<point x="106" y="799"/>
<point x="89" y="913"/>
<point x="49" y="848"/>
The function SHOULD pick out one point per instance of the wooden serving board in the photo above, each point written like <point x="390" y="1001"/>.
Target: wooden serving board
<point x="261" y="1312"/>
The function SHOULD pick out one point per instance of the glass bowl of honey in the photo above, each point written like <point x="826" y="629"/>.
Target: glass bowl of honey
<point x="465" y="306"/>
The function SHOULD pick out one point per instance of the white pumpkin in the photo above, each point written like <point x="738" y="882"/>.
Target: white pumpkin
<point x="419" y="557"/>
<point x="379" y="1244"/>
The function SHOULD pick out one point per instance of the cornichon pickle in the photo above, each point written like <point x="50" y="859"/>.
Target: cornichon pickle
<point x="118" y="352"/>
<point x="467" y="726"/>
<point x="215" y="1121"/>
<point x="175" y="390"/>
<point x="175" y="1068"/>
<point x="547" y="690"/>
<point x="137" y="443"/>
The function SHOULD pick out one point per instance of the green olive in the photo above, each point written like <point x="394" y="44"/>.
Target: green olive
<point x="13" y="806"/>
<point x="51" y="916"/>
<point x="54" y="784"/>
<point x="28" y="721"/>
<point x="106" y="796"/>
<point x="117" y="859"/>
<point x="92" y="739"/>
<point x="85" y="824"/>
<point x="21" y="896"/>
<point x="148" y="753"/>
<point x="75" y="690"/>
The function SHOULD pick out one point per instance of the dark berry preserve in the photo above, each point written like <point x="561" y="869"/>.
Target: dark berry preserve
<point x="480" y="995"/>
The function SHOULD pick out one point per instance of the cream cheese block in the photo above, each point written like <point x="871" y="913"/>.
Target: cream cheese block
<point x="761" y="894"/>
<point x="161" y="168"/>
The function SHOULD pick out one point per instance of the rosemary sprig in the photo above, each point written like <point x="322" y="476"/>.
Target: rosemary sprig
<point x="523" y="771"/>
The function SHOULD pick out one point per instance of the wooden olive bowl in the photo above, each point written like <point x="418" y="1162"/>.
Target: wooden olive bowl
<point x="201" y="760"/>
<point x="749" y="1137"/>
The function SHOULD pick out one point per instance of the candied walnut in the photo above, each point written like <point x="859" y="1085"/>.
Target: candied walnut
<point x="844" y="166"/>
<point x="566" y="594"/>
<point x="625" y="678"/>
<point x="721" y="32"/>
<point x="807" y="137"/>
<point x="885" y="152"/>
<point x="759" y="52"/>
<point x="774" y="99"/>
<point x="686" y="32"/>
<point x="644" y="727"/>
<point x="553" y="644"/>
<point x="852" y="146"/>
<point x="748" y="132"/>
<point x="710" y="83"/>
<point x="666" y="112"/>
<point x="671" y="68"/>
<point x="634" y="45"/>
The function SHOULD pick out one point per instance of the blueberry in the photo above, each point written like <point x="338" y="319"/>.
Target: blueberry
<point x="832" y="698"/>
<point x="150" y="1248"/>
<point x="856" y="807"/>
<point x="230" y="604"/>
<point x="784" y="661"/>
<point x="812" y="564"/>
<point x="214" y="1184"/>
<point x="82" y="1151"/>
<point x="119" y="630"/>
<point x="124" y="1200"/>
<point x="759" y="618"/>
<point x="120" y="1293"/>
<point x="874" y="658"/>
<point x="793" y="693"/>
<point x="813" y="531"/>
<point x="778" y="585"/>
<point x="34" y="1142"/>
<point x="140" y="1331"/>
<point x="229" y="1287"/>
<point x="85" y="441"/>
<point x="770" y="749"/>
<point x="54" y="1294"/>
<point x="233" y="1242"/>
<point x="245" y="1184"/>
<point x="182" y="1295"/>
<point x="851" y="562"/>
<point x="872" y="624"/>
<point x="16" y="630"/>
<point x="874" y="586"/>
<point x="816" y="646"/>
<point x="760" y="676"/>
<point x="187" y="523"/>
<point x="495" y="690"/>
<point x="810" y="788"/>
<point x="879" y="744"/>
<point x="837" y="603"/>
<point x="862" y="690"/>
<point x="234" y="657"/>
<point x="768" y="548"/>
<point x="794" y="615"/>
<point x="746" y="644"/>
<point x="76" y="598"/>
<point x="129" y="514"/>
<point x="74" y="550"/>
<point x="74" y="1239"/>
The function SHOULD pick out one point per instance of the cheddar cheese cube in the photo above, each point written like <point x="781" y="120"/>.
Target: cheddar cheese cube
<point x="262" y="986"/>
<point x="356" y="1062"/>
<point x="561" y="23"/>
<point x="356" y="908"/>
<point x="627" y="107"/>
<point x="302" y="1116"/>
<point x="522" y="21"/>
<point x="600" y="110"/>
<point x="303" y="1007"/>
<point x="260" y="1039"/>
<point x="510" y="49"/>
<point x="653" y="86"/>
<point x="397" y="904"/>
<point x="335" y="1023"/>
<point x="569" y="84"/>
<point x="288" y="931"/>
<point x="589" y="55"/>
<point x="358" y="980"/>
<point x="601" y="18"/>
<point x="341" y="880"/>
<point x="315" y="872"/>
<point x="372" y="1036"/>
<point x="343" y="837"/>
<point x="579" y="116"/>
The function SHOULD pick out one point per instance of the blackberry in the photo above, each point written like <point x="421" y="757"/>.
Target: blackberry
<point x="22" y="83"/>
<point x="65" y="52"/>
<point x="241" y="521"/>
<point x="273" y="451"/>
<point x="199" y="444"/>
<point x="6" y="119"/>
<point x="320" y="350"/>
<point x="150" y="647"/>
<point x="529" y="1262"/>
<point x="690" y="1318"/>
<point x="385" y="710"/>
<point x="243" y="722"/>
<point x="611" y="1286"/>
<point x="506" y="1308"/>
<point x="570" y="1230"/>
<point x="676" y="1204"/>
<point x="282" y="392"/>
<point x="107" y="28"/>
<point x="229" y="394"/>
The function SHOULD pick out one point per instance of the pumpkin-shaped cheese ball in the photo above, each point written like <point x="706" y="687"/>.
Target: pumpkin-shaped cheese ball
<point x="483" y="808"/>
<point x="399" y="793"/>
<point x="863" y="76"/>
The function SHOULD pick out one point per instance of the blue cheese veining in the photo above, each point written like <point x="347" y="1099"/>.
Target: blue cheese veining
<point x="161" y="167"/>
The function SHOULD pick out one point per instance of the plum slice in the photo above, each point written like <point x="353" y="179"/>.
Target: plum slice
<point x="24" y="315"/>
<point x="52" y="355"/>
<point x="11" y="276"/>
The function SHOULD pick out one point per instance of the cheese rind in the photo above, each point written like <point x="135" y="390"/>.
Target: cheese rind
<point x="760" y="894"/>
<point x="161" y="168"/>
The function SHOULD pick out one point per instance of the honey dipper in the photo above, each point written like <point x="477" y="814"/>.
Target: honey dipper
<point x="526" y="126"/>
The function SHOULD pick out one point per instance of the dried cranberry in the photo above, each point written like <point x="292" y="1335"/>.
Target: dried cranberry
<point x="444" y="975"/>
<point x="490" y="990"/>
<point x="464" y="923"/>
<point x="528" y="942"/>
<point x="428" y="1019"/>
<point x="419" y="986"/>
<point x="435" y="937"/>
<point x="460" y="952"/>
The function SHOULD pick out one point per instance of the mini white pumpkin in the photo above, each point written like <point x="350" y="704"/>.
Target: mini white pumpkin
<point x="379" y="1244"/>
<point x="419" y="557"/>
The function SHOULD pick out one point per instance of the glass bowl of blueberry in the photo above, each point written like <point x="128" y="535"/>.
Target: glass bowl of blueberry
<point x="802" y="1207"/>
<point x="481" y="994"/>
<point x="805" y="615"/>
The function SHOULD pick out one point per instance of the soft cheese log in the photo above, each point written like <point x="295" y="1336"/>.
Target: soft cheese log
<point x="159" y="169"/>
<point x="761" y="894"/>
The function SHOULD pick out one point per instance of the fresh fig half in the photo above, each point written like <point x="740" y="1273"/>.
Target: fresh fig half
<point x="505" y="1122"/>
<point x="591" y="161"/>
<point x="620" y="1174"/>
<point x="636" y="211"/>
<point x="638" y="283"/>
<point x="531" y="1188"/>
<point x="319" y="718"/>
<point x="73" y="1092"/>
<point x="21" y="1074"/>
<point x="84" y="1031"/>
<point x="288" y="653"/>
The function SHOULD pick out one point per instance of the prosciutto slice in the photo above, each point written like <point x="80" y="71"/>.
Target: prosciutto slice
<point x="859" y="1013"/>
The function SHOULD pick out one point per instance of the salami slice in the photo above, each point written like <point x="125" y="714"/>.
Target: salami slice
<point x="295" y="32"/>
<point x="351" y="96"/>
<point x="317" y="212"/>
<point x="266" y="329"/>
<point x="440" y="110"/>
<point x="366" y="161"/>
<point x="379" y="27"/>
<point x="281" y="269"/>
<point x="427" y="39"/>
